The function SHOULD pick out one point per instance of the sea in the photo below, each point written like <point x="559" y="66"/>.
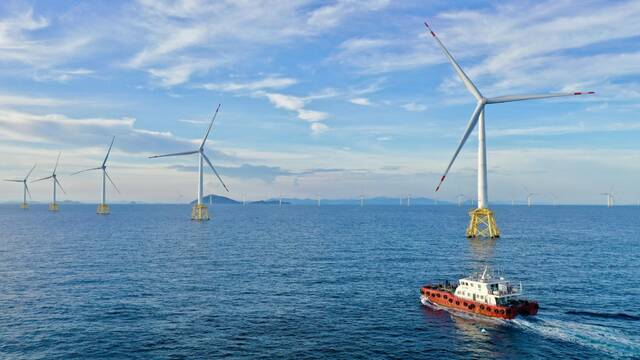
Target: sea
<point x="309" y="282"/>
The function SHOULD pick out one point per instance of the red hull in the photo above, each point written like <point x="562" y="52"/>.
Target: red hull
<point x="449" y="300"/>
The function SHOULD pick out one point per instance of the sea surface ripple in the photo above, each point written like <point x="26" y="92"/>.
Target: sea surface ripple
<point x="310" y="282"/>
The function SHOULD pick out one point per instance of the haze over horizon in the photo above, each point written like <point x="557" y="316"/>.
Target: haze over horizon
<point x="335" y="99"/>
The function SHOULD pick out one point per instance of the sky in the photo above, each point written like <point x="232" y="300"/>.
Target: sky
<point x="335" y="99"/>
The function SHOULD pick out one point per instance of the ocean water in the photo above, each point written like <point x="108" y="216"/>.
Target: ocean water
<point x="310" y="282"/>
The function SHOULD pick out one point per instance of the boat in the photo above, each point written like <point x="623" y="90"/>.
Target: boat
<point x="481" y="294"/>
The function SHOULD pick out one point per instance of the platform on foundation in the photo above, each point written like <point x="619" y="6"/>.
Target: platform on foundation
<point x="200" y="212"/>
<point x="482" y="224"/>
<point x="103" y="209"/>
<point x="24" y="206"/>
<point x="54" y="207"/>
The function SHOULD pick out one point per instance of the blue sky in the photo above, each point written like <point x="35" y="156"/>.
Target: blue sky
<point x="335" y="98"/>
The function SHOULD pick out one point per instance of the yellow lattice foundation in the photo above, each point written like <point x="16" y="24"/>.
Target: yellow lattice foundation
<point x="24" y="206"/>
<point x="482" y="224"/>
<point x="103" y="209"/>
<point x="54" y="207"/>
<point x="200" y="212"/>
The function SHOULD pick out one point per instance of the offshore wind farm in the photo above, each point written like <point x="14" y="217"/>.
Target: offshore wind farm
<point x="344" y="227"/>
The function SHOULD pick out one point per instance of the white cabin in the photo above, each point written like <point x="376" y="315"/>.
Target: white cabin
<point x="484" y="288"/>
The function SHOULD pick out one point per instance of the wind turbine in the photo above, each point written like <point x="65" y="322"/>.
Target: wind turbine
<point x="460" y="197"/>
<point x="25" y="189"/>
<point x="610" y="197"/>
<point x="555" y="199"/>
<point x="361" y="200"/>
<point x="200" y="211"/>
<point x="530" y="196"/>
<point x="54" y="179"/>
<point x="103" y="208"/>
<point x="408" y="200"/>
<point x="483" y="222"/>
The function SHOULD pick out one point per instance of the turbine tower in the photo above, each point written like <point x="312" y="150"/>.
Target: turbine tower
<point x="529" y="198"/>
<point x="25" y="189"/>
<point x="483" y="223"/>
<point x="200" y="211"/>
<point x="610" y="198"/>
<point x="56" y="183"/>
<point x="103" y="208"/>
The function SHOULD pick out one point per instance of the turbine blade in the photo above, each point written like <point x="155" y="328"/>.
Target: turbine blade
<point x="214" y="171"/>
<point x="27" y="187"/>
<point x="30" y="171"/>
<point x="14" y="180"/>
<point x="465" y="79"/>
<point x="472" y="124"/>
<point x="44" y="178"/>
<point x="57" y="160"/>
<point x="111" y="181"/>
<point x="509" y="98"/>
<point x="81" y="171"/>
<point x="60" y="186"/>
<point x="108" y="151"/>
<point x="174" y="154"/>
<point x="204" y="140"/>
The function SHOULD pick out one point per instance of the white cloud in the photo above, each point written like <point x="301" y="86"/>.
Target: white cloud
<point x="262" y="84"/>
<point x="361" y="101"/>
<point x="20" y="100"/>
<point x="319" y="128"/>
<point x="173" y="32"/>
<point x="501" y="46"/>
<point x="294" y="103"/>
<point x="414" y="107"/>
<point x="61" y="75"/>
<point x="312" y="115"/>
<point x="282" y="101"/>
<point x="19" y="42"/>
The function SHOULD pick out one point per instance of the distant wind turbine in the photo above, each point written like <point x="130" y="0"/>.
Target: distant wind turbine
<point x="482" y="219"/>
<point x="460" y="198"/>
<point x="56" y="183"/>
<point x="25" y="189"/>
<point x="103" y="208"/>
<point x="610" y="197"/>
<point x="200" y="210"/>
<point x="530" y="196"/>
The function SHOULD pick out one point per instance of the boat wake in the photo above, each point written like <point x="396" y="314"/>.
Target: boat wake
<point x="612" y="341"/>
<point x="619" y="316"/>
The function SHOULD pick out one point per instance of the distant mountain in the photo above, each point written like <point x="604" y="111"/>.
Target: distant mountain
<point x="216" y="199"/>
<point x="367" y="201"/>
<point x="269" y="202"/>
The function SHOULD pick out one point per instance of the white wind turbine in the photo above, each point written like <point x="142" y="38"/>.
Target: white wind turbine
<point x="610" y="197"/>
<point x="25" y="189"/>
<point x="482" y="219"/>
<point x="103" y="208"/>
<point x="200" y="210"/>
<point x="530" y="196"/>
<point x="56" y="183"/>
<point x="460" y="198"/>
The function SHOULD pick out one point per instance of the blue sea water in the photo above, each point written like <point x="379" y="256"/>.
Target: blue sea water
<point x="310" y="282"/>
